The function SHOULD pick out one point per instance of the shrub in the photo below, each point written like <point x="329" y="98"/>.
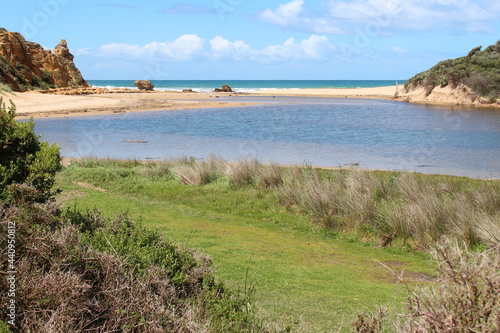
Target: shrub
<point x="479" y="70"/>
<point x="23" y="158"/>
<point x="79" y="272"/>
<point x="464" y="298"/>
<point x="5" y="87"/>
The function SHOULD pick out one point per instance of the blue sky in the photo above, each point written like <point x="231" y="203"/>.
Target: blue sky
<point x="249" y="39"/>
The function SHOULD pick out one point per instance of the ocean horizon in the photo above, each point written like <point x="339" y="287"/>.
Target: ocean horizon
<point x="247" y="85"/>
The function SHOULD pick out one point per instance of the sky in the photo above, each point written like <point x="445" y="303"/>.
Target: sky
<point x="256" y="40"/>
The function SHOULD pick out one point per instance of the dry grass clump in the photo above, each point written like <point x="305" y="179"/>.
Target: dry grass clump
<point x="270" y="176"/>
<point x="417" y="209"/>
<point x="242" y="172"/>
<point x="425" y="211"/>
<point x="92" y="275"/>
<point x="464" y="298"/>
<point x="344" y="202"/>
<point x="158" y="170"/>
<point x="190" y="172"/>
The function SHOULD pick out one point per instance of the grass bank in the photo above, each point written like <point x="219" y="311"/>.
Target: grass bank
<point x="304" y="275"/>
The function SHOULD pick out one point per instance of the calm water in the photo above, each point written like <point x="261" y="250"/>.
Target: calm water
<point x="319" y="131"/>
<point x="247" y="85"/>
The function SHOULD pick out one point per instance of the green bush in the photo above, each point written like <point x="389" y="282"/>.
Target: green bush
<point x="80" y="272"/>
<point x="479" y="70"/>
<point x="23" y="158"/>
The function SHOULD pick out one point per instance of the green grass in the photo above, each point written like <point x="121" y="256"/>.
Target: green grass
<point x="303" y="278"/>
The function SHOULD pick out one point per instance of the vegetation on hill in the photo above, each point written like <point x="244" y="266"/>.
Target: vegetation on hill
<point x="479" y="70"/>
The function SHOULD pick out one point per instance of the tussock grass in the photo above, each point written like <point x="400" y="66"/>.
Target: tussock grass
<point x="242" y="172"/>
<point x="414" y="209"/>
<point x="190" y="172"/>
<point x="270" y="176"/>
<point x="417" y="209"/>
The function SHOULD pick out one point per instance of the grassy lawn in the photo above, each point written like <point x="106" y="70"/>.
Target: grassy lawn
<point x="301" y="276"/>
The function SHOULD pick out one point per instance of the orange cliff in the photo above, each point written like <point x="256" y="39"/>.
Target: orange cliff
<point x="26" y="65"/>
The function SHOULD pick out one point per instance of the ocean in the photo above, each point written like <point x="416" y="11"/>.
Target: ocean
<point x="246" y="85"/>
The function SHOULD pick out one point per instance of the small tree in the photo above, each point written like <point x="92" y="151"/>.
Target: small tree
<point x="24" y="159"/>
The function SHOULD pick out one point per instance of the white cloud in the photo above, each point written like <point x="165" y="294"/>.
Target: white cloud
<point x="313" y="48"/>
<point x="183" y="48"/>
<point x="284" y="14"/>
<point x="288" y="14"/>
<point x="343" y="17"/>
<point x="189" y="47"/>
<point x="222" y="48"/>
<point x="83" y="51"/>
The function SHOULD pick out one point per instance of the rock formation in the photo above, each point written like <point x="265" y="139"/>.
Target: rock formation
<point x="26" y="65"/>
<point x="225" y="88"/>
<point x="144" y="85"/>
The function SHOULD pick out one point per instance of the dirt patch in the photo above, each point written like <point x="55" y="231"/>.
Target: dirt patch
<point x="89" y="186"/>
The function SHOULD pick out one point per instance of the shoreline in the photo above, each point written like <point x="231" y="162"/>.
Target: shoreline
<point x="66" y="161"/>
<point x="40" y="105"/>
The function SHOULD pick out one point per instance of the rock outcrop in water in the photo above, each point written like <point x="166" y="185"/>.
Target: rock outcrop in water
<point x="144" y="85"/>
<point x="26" y="65"/>
<point x="225" y="88"/>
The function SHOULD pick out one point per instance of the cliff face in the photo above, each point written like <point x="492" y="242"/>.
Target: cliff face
<point x="26" y="65"/>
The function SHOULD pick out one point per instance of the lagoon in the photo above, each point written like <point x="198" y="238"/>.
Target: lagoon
<point x="328" y="132"/>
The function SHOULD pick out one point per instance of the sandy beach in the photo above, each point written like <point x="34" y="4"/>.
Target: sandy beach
<point x="38" y="105"/>
<point x="34" y="104"/>
<point x="373" y="93"/>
